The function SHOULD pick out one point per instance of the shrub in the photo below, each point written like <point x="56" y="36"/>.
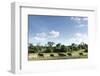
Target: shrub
<point x="40" y="55"/>
<point x="48" y="50"/>
<point x="81" y="54"/>
<point x="31" y="51"/>
<point x="56" y="50"/>
<point x="52" y="55"/>
<point x="69" y="54"/>
<point x="86" y="50"/>
<point x="61" y="54"/>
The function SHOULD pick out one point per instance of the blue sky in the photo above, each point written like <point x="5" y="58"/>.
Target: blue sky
<point x="59" y="29"/>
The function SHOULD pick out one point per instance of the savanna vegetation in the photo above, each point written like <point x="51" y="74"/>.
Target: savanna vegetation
<point x="57" y="51"/>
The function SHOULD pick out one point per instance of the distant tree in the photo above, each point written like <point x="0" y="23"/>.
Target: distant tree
<point x="63" y="48"/>
<point x="30" y="48"/>
<point x="51" y="44"/>
<point x="57" y="48"/>
<point x="85" y="46"/>
<point x="58" y="45"/>
<point x="74" y="47"/>
<point x="82" y="45"/>
<point x="50" y="48"/>
<point x="38" y="48"/>
<point x="68" y="48"/>
<point x="34" y="49"/>
<point x="47" y="50"/>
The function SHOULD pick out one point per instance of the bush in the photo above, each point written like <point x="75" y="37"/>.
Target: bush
<point x="61" y="54"/>
<point x="52" y="55"/>
<point x="69" y="54"/>
<point x="30" y="51"/>
<point x="81" y="54"/>
<point x="48" y="50"/>
<point x="56" y="50"/>
<point x="40" y="55"/>
<point x="86" y="50"/>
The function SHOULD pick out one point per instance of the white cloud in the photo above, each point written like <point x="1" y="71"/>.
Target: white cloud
<point x="78" y="38"/>
<point x="85" y="19"/>
<point x="54" y="34"/>
<point x="82" y="25"/>
<point x="78" y="34"/>
<point x="39" y="39"/>
<point x="41" y="36"/>
<point x="76" y="19"/>
<point x="80" y="21"/>
<point x="44" y="36"/>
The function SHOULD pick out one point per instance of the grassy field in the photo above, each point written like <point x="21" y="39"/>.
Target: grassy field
<point x="56" y="56"/>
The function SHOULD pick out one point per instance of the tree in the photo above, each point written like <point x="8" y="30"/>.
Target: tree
<point x="74" y="47"/>
<point x="38" y="48"/>
<point x="51" y="44"/>
<point x="68" y="48"/>
<point x="30" y="48"/>
<point x="57" y="48"/>
<point x="50" y="48"/>
<point x="47" y="50"/>
<point x="82" y="45"/>
<point x="58" y="45"/>
<point x="63" y="48"/>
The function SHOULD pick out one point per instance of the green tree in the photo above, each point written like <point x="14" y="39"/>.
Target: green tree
<point x="63" y="48"/>
<point x="50" y="46"/>
<point x="58" y="47"/>
<point x="30" y="48"/>
<point x="74" y="47"/>
<point x="82" y="45"/>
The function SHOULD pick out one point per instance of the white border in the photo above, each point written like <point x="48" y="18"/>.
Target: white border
<point x="19" y="39"/>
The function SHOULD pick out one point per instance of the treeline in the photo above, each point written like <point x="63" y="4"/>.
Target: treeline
<point x="57" y="48"/>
